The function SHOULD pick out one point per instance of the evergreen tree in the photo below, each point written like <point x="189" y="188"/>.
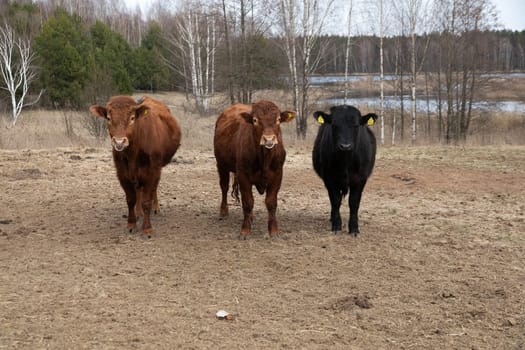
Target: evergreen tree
<point x="65" y="60"/>
<point x="112" y="56"/>
<point x="150" y="69"/>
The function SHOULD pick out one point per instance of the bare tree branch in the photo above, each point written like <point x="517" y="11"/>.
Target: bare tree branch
<point x="16" y="60"/>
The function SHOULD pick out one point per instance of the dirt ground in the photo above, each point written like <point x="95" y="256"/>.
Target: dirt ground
<point x="439" y="263"/>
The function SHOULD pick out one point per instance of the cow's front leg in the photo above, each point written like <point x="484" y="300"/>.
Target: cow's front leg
<point x="149" y="183"/>
<point x="271" y="205"/>
<point x="138" y="206"/>
<point x="131" y="200"/>
<point x="335" y="204"/>
<point x="247" y="206"/>
<point x="354" y="199"/>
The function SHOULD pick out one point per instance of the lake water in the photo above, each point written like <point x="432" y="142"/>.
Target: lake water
<point x="421" y="104"/>
<point x="394" y="102"/>
<point x="317" y="80"/>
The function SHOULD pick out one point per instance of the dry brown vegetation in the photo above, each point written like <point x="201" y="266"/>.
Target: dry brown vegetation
<point x="439" y="263"/>
<point x="46" y="129"/>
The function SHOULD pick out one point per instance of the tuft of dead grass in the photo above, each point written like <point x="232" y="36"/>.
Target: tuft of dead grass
<point x="46" y="129"/>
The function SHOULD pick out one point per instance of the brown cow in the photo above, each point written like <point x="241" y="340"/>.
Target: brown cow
<point x="248" y="142"/>
<point x="144" y="136"/>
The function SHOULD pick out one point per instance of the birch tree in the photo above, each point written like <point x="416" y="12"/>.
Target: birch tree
<point x="347" y="48"/>
<point x="413" y="9"/>
<point x="288" y="22"/>
<point x="382" y="70"/>
<point x="16" y="58"/>
<point x="308" y="16"/>
<point x="378" y="10"/>
<point x="195" y="40"/>
<point x="413" y="20"/>
<point x="462" y="27"/>
<point x="229" y="54"/>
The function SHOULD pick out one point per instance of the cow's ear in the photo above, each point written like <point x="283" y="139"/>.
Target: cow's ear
<point x="248" y="117"/>
<point x="322" y="117"/>
<point x="287" y="116"/>
<point x="369" y="119"/>
<point x="99" y="111"/>
<point x="141" y="110"/>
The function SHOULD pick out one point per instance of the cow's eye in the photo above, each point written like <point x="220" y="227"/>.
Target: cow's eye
<point x="255" y="121"/>
<point x="278" y="120"/>
<point x="132" y="118"/>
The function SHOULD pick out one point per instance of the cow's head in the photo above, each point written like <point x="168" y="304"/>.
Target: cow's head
<point x="345" y="122"/>
<point x="121" y="112"/>
<point x="266" y="119"/>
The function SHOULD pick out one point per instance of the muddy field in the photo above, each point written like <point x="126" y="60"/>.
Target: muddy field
<point x="439" y="264"/>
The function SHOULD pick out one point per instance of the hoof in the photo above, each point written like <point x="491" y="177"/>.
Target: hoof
<point x="243" y="237"/>
<point x="146" y="236"/>
<point x="354" y="233"/>
<point x="275" y="235"/>
<point x="147" y="233"/>
<point x="131" y="227"/>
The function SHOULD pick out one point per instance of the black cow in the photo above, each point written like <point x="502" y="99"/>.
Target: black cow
<point x="343" y="156"/>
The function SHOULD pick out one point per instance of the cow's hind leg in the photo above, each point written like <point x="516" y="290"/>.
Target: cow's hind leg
<point x="224" y="181"/>
<point x="335" y="202"/>
<point x="138" y="206"/>
<point x="354" y="200"/>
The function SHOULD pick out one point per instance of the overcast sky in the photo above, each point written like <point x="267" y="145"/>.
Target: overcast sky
<point x="511" y="12"/>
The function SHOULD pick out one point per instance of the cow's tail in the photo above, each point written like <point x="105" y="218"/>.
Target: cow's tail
<point x="235" y="189"/>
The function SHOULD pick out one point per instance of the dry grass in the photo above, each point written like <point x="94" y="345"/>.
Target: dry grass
<point x="44" y="129"/>
<point x="40" y="129"/>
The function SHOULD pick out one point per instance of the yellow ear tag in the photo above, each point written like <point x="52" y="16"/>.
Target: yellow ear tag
<point x="320" y="120"/>
<point x="370" y="121"/>
<point x="145" y="111"/>
<point x="290" y="116"/>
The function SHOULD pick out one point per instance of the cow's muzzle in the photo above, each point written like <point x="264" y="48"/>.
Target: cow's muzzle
<point x="345" y="147"/>
<point x="119" y="144"/>
<point x="269" y="141"/>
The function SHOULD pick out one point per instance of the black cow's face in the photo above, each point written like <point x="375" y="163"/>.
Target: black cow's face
<point x="345" y="122"/>
<point x="121" y="113"/>
<point x="266" y="119"/>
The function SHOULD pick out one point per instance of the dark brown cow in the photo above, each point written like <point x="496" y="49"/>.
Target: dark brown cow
<point x="144" y="136"/>
<point x="248" y="142"/>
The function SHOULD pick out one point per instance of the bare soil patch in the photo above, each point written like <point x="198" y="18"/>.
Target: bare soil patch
<point x="440" y="262"/>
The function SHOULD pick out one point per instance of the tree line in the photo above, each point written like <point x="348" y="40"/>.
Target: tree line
<point x="505" y="53"/>
<point x="84" y="51"/>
